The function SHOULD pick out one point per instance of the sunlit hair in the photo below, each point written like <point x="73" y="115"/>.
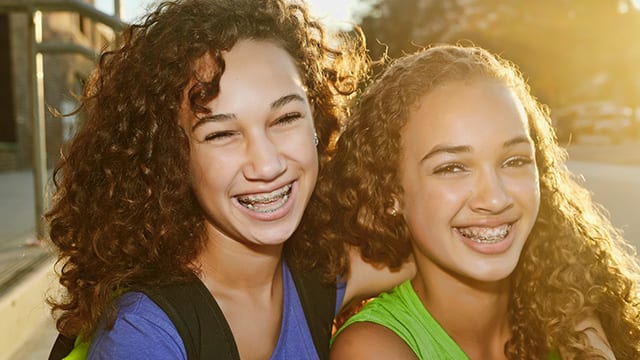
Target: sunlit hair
<point x="123" y="213"/>
<point x="574" y="265"/>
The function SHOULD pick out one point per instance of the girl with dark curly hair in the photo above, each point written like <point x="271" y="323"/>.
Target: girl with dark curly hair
<point x="449" y="156"/>
<point x="202" y="139"/>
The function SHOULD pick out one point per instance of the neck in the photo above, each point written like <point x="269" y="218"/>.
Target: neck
<point x="235" y="266"/>
<point x="474" y="314"/>
<point x="246" y="282"/>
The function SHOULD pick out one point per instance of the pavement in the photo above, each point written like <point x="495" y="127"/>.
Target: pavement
<point x="27" y="330"/>
<point x="26" y="273"/>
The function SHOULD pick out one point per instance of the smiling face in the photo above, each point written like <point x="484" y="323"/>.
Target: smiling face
<point x="471" y="191"/>
<point x="253" y="159"/>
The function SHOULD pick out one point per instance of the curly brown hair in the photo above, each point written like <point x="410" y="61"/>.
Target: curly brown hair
<point x="123" y="212"/>
<point x="575" y="263"/>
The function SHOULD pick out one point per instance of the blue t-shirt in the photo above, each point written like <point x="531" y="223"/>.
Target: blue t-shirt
<point x="142" y="330"/>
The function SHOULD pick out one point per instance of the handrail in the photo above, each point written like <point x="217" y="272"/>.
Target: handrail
<point x="36" y="50"/>
<point x="79" y="6"/>
<point x="67" y="48"/>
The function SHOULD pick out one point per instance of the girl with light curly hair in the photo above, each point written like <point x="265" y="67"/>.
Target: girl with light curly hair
<point x="448" y="156"/>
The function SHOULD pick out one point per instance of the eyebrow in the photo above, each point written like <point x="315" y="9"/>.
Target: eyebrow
<point x="438" y="149"/>
<point x="285" y="100"/>
<point x="278" y="103"/>
<point x="212" y="118"/>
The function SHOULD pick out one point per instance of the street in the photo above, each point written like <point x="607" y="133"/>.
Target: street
<point x="617" y="188"/>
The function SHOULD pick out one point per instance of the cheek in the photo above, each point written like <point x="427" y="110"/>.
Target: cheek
<point x="198" y="164"/>
<point x="427" y="200"/>
<point x="210" y="172"/>
<point x="447" y="195"/>
<point x="431" y="208"/>
<point x="305" y="151"/>
<point x="199" y="179"/>
<point x="527" y="191"/>
<point x="535" y="196"/>
<point x="301" y="149"/>
<point x="314" y="161"/>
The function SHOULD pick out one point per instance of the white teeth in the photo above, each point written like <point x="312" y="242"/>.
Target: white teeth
<point x="265" y="203"/>
<point x="485" y="235"/>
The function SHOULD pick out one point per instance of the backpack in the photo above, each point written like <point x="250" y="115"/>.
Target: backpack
<point x="213" y="335"/>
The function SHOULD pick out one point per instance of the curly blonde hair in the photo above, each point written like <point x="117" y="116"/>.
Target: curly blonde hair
<point x="575" y="264"/>
<point x="123" y="213"/>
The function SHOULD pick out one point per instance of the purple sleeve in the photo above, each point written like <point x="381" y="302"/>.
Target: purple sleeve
<point x="341" y="288"/>
<point x="141" y="331"/>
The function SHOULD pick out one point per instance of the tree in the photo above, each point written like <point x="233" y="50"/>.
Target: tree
<point x="570" y="50"/>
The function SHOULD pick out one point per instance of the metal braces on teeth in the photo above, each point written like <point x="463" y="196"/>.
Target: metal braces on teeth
<point x="265" y="198"/>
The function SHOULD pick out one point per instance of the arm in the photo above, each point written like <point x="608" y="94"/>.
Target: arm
<point x="365" y="340"/>
<point x="366" y="280"/>
<point x="596" y="337"/>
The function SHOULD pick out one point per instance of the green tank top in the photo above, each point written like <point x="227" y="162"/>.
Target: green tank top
<point x="402" y="312"/>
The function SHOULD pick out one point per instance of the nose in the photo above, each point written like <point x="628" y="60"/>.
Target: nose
<point x="264" y="159"/>
<point x="490" y="193"/>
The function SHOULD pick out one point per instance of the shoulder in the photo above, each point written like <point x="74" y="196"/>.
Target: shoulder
<point x="366" y="340"/>
<point x="596" y="337"/>
<point x="387" y="309"/>
<point x="141" y="330"/>
<point x="373" y="332"/>
<point x="365" y="279"/>
<point x="395" y="325"/>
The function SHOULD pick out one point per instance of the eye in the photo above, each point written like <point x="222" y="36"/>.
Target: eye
<point x="518" y="161"/>
<point x="218" y="135"/>
<point x="288" y="118"/>
<point x="449" y="169"/>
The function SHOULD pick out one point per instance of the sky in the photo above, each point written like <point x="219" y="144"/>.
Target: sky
<point x="335" y="13"/>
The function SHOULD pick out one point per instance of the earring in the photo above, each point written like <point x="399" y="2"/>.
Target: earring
<point x="393" y="206"/>
<point x="315" y="138"/>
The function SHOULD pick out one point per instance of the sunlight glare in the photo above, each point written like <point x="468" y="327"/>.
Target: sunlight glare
<point x="336" y="14"/>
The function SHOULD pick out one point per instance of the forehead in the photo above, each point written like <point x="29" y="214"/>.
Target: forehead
<point x="249" y="56"/>
<point x="256" y="72"/>
<point x="466" y="112"/>
<point x="261" y="59"/>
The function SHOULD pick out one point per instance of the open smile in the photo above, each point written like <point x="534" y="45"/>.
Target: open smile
<point x="266" y="202"/>
<point x="485" y="235"/>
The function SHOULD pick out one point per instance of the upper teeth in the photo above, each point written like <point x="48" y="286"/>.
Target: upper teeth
<point x="265" y="203"/>
<point x="486" y="235"/>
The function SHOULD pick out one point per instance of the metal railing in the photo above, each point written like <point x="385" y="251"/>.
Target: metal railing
<point x="36" y="50"/>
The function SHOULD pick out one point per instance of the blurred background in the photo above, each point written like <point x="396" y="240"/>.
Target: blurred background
<point x="580" y="58"/>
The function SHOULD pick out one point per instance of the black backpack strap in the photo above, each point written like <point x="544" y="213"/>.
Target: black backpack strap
<point x="319" y="304"/>
<point x="204" y="329"/>
<point x="198" y="319"/>
<point x="61" y="347"/>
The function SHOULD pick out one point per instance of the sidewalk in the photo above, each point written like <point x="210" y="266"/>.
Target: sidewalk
<point x="26" y="328"/>
<point x="27" y="331"/>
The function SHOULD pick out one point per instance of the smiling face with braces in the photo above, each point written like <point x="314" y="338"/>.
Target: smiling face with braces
<point x="254" y="162"/>
<point x="469" y="179"/>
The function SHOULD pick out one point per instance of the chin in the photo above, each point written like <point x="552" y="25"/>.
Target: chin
<point x="274" y="238"/>
<point x="494" y="272"/>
